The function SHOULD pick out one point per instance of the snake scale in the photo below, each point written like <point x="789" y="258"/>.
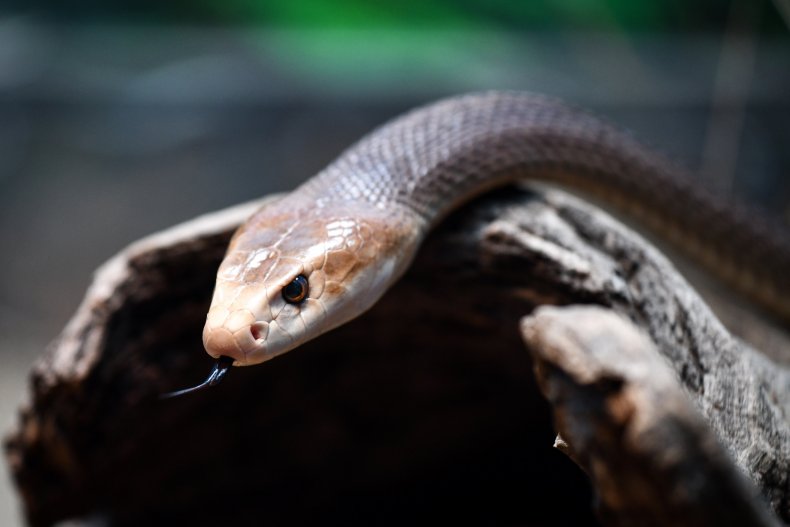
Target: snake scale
<point x="326" y="252"/>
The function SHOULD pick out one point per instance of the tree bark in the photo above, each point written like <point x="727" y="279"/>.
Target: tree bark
<point x="624" y="418"/>
<point x="425" y="405"/>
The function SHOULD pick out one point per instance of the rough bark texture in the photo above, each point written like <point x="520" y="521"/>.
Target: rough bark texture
<point x="623" y="417"/>
<point x="426" y="403"/>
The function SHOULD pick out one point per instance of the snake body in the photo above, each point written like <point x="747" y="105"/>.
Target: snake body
<point x="346" y="235"/>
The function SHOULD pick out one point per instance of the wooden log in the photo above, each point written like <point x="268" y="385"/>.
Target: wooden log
<point x="425" y="405"/>
<point x="623" y="417"/>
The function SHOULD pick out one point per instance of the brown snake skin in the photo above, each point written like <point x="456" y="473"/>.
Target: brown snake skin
<point x="377" y="201"/>
<point x="437" y="156"/>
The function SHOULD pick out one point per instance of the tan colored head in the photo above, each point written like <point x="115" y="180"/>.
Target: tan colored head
<point x="292" y="273"/>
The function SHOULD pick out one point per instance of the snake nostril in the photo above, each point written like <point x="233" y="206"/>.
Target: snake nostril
<point x="258" y="331"/>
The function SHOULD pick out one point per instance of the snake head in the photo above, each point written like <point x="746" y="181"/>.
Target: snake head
<point x="292" y="273"/>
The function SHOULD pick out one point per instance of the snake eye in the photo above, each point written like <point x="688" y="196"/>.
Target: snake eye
<point x="296" y="291"/>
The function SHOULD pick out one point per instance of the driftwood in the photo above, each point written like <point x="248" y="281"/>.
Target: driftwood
<point x="425" y="407"/>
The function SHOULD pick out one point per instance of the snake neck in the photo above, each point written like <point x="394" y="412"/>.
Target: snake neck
<point x="437" y="157"/>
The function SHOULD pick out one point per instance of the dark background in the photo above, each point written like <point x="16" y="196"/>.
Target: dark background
<point x="118" y="119"/>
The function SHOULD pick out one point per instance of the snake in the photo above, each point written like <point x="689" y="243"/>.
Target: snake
<point x="326" y="252"/>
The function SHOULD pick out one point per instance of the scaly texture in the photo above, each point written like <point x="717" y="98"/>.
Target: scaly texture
<point x="398" y="182"/>
<point x="438" y="156"/>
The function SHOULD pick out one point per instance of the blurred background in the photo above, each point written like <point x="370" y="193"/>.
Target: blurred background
<point x="121" y="118"/>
